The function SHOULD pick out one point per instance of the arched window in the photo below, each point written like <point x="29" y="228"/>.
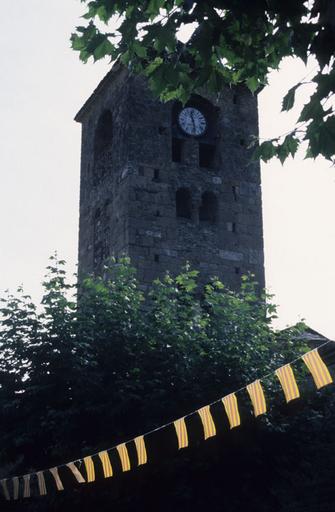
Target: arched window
<point x="184" y="203"/>
<point x="208" y="211"/>
<point x="104" y="133"/>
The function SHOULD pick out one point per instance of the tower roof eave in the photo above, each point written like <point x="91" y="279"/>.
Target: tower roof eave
<point x="116" y="68"/>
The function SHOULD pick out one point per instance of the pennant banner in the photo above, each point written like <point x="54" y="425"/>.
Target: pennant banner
<point x="287" y="380"/>
<point x="76" y="473"/>
<point x="141" y="450"/>
<point x="231" y="408"/>
<point x="106" y="464"/>
<point x="257" y="397"/>
<point x="181" y="431"/>
<point x="41" y="483"/>
<point x="90" y="473"/>
<point x="312" y="360"/>
<point x="5" y="489"/>
<point x="26" y="486"/>
<point x="15" y="488"/>
<point x="124" y="457"/>
<point x="318" y="369"/>
<point x="207" y="422"/>
<point x="59" y="485"/>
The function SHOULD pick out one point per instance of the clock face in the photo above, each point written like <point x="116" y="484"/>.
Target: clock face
<point x="192" y="121"/>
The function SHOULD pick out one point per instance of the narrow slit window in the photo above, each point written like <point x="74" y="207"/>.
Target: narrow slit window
<point x="208" y="211"/>
<point x="103" y="134"/>
<point x="206" y="155"/>
<point x="177" y="150"/>
<point x="183" y="203"/>
<point x="156" y="175"/>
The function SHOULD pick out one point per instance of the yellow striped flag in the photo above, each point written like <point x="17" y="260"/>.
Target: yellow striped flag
<point x="41" y="483"/>
<point x="124" y="457"/>
<point x="15" y="487"/>
<point x="76" y="473"/>
<point x="89" y="465"/>
<point x="231" y="408"/>
<point x="207" y="421"/>
<point x="287" y="380"/>
<point x="55" y="474"/>
<point x="141" y="450"/>
<point x="317" y="368"/>
<point x="106" y="464"/>
<point x="26" y="486"/>
<point x="181" y="432"/>
<point x="257" y="397"/>
<point x="5" y="488"/>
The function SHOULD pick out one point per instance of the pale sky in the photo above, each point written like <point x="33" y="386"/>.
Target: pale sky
<point x="43" y="84"/>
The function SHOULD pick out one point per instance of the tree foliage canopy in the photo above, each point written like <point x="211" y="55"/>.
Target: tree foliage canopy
<point x="232" y="42"/>
<point x="75" y="380"/>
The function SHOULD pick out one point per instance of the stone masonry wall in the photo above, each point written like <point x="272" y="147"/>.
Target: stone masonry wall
<point x="128" y="194"/>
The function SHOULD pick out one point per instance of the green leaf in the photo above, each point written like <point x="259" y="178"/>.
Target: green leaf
<point x="289" y="98"/>
<point x="105" y="48"/>
<point x="125" y="57"/>
<point x="282" y="152"/>
<point x="265" y="151"/>
<point x="153" y="66"/>
<point x="327" y="138"/>
<point x="252" y="83"/>
<point x="292" y="144"/>
<point x="130" y="10"/>
<point x="154" y="6"/>
<point x="102" y="13"/>
<point x="312" y="110"/>
<point x="77" y="42"/>
<point x="84" y="56"/>
<point x="140" y="51"/>
<point x="165" y="38"/>
<point x="91" y="13"/>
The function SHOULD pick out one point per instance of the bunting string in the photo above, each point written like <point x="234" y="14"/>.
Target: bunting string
<point x="285" y="375"/>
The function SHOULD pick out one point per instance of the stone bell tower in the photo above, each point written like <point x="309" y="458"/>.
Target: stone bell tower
<point x="166" y="183"/>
